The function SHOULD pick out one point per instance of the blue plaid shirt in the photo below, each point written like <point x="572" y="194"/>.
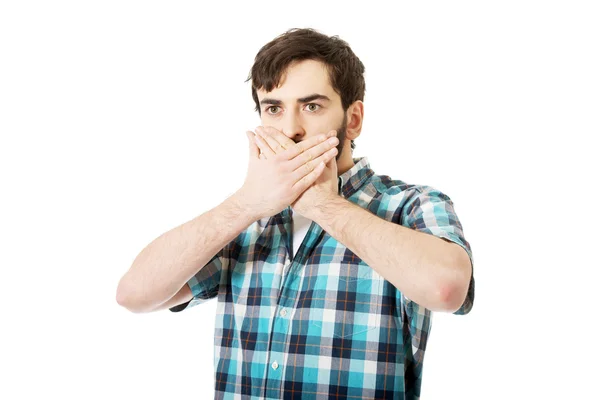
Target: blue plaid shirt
<point x="323" y="325"/>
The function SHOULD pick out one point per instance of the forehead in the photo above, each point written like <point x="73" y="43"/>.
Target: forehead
<point x="300" y="79"/>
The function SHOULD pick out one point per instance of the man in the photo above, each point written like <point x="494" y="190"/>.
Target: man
<point x="325" y="273"/>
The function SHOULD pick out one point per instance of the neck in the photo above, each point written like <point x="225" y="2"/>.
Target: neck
<point x="345" y="162"/>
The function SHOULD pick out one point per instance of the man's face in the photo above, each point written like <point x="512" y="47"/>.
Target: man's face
<point x="305" y="104"/>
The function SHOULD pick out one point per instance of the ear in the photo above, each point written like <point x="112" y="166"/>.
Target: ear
<point x="354" y="115"/>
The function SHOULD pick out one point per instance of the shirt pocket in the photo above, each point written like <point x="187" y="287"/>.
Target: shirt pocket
<point x="348" y="299"/>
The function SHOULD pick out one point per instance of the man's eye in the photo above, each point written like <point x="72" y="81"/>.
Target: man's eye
<point x="312" y="107"/>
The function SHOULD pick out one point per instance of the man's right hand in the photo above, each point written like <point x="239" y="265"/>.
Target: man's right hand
<point x="273" y="183"/>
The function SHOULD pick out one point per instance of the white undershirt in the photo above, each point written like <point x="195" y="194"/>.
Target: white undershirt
<point x="301" y="225"/>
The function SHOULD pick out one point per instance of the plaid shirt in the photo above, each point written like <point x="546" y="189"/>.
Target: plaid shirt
<point x="325" y="324"/>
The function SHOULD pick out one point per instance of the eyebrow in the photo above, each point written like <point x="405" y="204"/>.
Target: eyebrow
<point x="305" y="99"/>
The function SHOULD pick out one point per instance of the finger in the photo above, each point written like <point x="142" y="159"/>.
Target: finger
<point x="301" y="185"/>
<point x="310" y="166"/>
<point x="333" y="164"/>
<point x="312" y="153"/>
<point x="284" y="141"/>
<point x="252" y="144"/>
<point x="268" y="139"/>
<point x="263" y="146"/>
<point x="301" y="147"/>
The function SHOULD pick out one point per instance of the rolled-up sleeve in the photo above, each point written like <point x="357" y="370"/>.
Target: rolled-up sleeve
<point x="430" y="211"/>
<point x="205" y="283"/>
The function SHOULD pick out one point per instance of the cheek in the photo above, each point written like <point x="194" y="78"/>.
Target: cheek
<point x="322" y="128"/>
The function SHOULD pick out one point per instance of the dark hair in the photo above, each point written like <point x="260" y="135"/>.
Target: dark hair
<point x="345" y="69"/>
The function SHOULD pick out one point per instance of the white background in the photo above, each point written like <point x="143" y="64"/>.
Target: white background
<point x="120" y="120"/>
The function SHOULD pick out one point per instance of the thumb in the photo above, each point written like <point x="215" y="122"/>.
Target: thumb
<point x="253" y="147"/>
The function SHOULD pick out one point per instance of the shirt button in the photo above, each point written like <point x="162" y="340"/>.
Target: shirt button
<point x="275" y="365"/>
<point x="283" y="312"/>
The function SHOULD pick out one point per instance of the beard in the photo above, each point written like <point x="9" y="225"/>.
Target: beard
<point x="341" y="135"/>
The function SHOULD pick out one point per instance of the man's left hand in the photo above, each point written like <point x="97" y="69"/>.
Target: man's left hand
<point x="320" y="192"/>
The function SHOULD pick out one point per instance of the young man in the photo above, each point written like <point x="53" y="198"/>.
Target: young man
<point x="326" y="274"/>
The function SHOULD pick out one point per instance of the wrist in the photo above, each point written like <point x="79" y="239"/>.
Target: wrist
<point x="240" y="201"/>
<point x="329" y="206"/>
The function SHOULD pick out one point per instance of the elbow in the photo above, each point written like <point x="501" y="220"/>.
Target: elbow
<point x="128" y="296"/>
<point x="452" y="296"/>
<point x="453" y="292"/>
<point x="125" y="298"/>
<point x="122" y="296"/>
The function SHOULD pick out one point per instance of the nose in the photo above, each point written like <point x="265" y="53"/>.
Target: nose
<point x="292" y="127"/>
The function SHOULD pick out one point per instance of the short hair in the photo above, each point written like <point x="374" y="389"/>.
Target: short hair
<point x="346" y="71"/>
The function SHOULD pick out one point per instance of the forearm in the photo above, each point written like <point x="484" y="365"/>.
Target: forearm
<point x="168" y="262"/>
<point x="423" y="267"/>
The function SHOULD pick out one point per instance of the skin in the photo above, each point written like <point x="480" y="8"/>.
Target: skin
<point x="289" y="115"/>
<point x="426" y="269"/>
<point x="429" y="270"/>
<point x="300" y="121"/>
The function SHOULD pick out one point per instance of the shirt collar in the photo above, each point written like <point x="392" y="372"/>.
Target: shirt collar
<point x="350" y="181"/>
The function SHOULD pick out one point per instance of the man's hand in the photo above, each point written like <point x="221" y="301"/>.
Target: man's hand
<point x="322" y="189"/>
<point x="276" y="179"/>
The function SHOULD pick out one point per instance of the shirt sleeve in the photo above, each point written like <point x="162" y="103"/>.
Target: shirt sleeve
<point x="430" y="211"/>
<point x="205" y="283"/>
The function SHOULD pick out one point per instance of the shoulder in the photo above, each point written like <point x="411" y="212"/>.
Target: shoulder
<point x="400" y="196"/>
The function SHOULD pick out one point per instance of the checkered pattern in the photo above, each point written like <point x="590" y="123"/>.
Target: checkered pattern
<point x="323" y="325"/>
